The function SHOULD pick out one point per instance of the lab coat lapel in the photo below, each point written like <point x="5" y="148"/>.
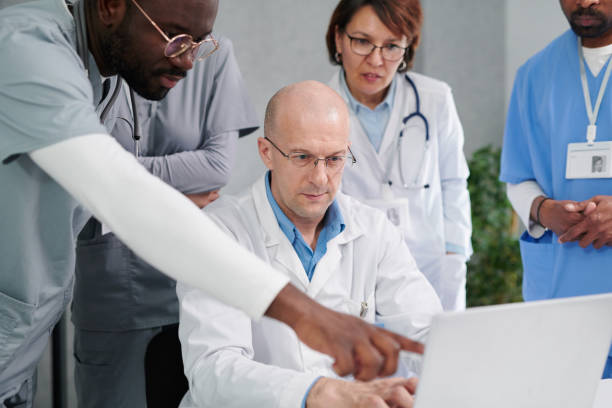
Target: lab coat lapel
<point x="364" y="152"/>
<point x="400" y="100"/>
<point x="280" y="251"/>
<point x="332" y="260"/>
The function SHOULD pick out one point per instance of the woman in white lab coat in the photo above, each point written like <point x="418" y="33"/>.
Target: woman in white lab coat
<point x="407" y="137"/>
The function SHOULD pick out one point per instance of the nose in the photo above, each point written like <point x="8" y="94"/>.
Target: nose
<point x="587" y="3"/>
<point x="183" y="61"/>
<point x="318" y="175"/>
<point x="375" y="57"/>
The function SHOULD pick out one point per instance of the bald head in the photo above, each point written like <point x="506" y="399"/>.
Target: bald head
<point x="302" y="105"/>
<point x="307" y="128"/>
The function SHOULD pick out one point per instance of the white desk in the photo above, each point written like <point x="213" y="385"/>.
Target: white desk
<point x="603" y="398"/>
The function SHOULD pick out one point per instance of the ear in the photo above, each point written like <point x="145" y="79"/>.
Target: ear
<point x="263" y="146"/>
<point x="338" y="38"/>
<point x="111" y="12"/>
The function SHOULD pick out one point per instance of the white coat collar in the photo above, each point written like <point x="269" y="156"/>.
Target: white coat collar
<point x="280" y="249"/>
<point x="403" y="102"/>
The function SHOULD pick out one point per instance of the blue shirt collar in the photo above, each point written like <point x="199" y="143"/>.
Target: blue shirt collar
<point x="333" y="222"/>
<point x="355" y="105"/>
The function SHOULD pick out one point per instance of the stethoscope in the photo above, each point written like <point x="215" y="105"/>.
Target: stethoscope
<point x="416" y="115"/>
<point x="136" y="130"/>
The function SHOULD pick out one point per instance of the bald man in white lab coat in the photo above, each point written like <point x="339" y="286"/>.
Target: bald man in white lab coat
<point x="340" y="252"/>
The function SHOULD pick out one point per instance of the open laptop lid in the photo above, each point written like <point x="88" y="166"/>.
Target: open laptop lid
<point x="539" y="354"/>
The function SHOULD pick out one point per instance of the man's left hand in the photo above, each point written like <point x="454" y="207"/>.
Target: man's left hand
<point x="203" y="199"/>
<point x="596" y="228"/>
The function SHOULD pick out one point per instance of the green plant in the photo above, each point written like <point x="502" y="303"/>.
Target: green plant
<point x="494" y="271"/>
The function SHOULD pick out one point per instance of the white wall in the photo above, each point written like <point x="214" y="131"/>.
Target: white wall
<point x="277" y="43"/>
<point x="530" y="26"/>
<point x="474" y="45"/>
<point x="463" y="45"/>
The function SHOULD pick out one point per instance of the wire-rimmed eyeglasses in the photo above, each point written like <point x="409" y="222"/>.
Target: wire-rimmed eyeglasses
<point x="302" y="159"/>
<point x="181" y="43"/>
<point x="364" y="47"/>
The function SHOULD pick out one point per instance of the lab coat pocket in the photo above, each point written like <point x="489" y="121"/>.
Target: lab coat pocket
<point x="537" y="256"/>
<point x="396" y="209"/>
<point x="365" y="309"/>
<point x="15" y="321"/>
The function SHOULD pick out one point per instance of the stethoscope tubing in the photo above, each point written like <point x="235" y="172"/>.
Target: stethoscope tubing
<point x="416" y="114"/>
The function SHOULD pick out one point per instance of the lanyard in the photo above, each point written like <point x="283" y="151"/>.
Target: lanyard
<point x="592" y="113"/>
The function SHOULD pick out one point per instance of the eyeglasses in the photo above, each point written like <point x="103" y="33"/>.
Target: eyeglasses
<point x="332" y="163"/>
<point x="179" y="44"/>
<point x="363" y="47"/>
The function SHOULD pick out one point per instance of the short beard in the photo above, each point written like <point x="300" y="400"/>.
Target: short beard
<point x="593" y="31"/>
<point x="122" y="56"/>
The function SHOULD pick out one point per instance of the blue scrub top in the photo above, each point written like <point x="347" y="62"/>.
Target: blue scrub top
<point x="546" y="113"/>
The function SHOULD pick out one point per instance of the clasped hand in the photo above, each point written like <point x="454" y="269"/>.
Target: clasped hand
<point x="588" y="222"/>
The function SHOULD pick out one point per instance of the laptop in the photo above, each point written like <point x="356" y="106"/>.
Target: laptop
<point x="539" y="354"/>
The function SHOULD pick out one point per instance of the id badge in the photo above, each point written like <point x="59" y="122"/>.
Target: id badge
<point x="396" y="209"/>
<point x="586" y="161"/>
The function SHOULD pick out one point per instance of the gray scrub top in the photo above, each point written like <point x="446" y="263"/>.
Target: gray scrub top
<point x="189" y="141"/>
<point x="45" y="97"/>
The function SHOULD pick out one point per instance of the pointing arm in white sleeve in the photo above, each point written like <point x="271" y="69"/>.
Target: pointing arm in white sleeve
<point x="158" y="223"/>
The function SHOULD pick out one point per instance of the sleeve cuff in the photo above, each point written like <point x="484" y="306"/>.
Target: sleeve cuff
<point x="535" y="230"/>
<point x="521" y="197"/>
<point x="308" y="392"/>
<point x="296" y="390"/>
<point x="458" y="249"/>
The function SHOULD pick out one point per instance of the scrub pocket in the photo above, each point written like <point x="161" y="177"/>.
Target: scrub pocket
<point x="97" y="370"/>
<point x="102" y="293"/>
<point x="538" y="260"/>
<point x="15" y="321"/>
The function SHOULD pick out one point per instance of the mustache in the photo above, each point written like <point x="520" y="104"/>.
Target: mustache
<point x="590" y="12"/>
<point x="173" y="72"/>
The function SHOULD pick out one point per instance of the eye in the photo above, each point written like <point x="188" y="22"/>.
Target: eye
<point x="392" y="47"/>
<point x="361" y="41"/>
<point x="301" y="159"/>
<point x="335" y="161"/>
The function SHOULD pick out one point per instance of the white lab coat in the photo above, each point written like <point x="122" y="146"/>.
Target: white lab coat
<point x="231" y="361"/>
<point x="437" y="215"/>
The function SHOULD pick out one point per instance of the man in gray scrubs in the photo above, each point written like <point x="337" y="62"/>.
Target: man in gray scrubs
<point x="189" y="140"/>
<point x="57" y="159"/>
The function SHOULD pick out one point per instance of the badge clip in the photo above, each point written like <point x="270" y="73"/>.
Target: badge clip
<point x="591" y="134"/>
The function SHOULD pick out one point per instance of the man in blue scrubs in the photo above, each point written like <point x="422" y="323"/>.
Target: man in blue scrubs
<point x="559" y="122"/>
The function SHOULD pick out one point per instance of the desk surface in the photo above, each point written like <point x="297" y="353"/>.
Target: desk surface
<point x="603" y="398"/>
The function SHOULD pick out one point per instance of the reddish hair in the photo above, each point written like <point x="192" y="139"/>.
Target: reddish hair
<point x="402" y="17"/>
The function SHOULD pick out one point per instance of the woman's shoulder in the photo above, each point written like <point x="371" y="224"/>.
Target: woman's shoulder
<point x="426" y="84"/>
